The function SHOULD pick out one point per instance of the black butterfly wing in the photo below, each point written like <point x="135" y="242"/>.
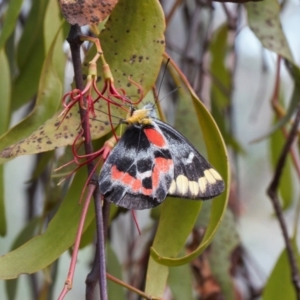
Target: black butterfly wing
<point x="131" y="176"/>
<point x="194" y="177"/>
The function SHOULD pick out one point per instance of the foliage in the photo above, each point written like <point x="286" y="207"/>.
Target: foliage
<point x="186" y="247"/>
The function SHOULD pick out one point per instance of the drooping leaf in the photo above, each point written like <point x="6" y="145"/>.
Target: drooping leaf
<point x="52" y="27"/>
<point x="5" y="96"/>
<point x="114" y="268"/>
<point x="30" y="58"/>
<point x="176" y="221"/>
<point x="264" y="20"/>
<point x="10" y="20"/>
<point x="221" y="86"/>
<point x="138" y="44"/>
<point x="180" y="282"/>
<point x="279" y="284"/>
<point x="185" y="111"/>
<point x="138" y="55"/>
<point x="48" y="100"/>
<point x="43" y="249"/>
<point x="58" y="132"/>
<point x="178" y="216"/>
<point x="224" y="243"/>
<point x="60" y="233"/>
<point x="25" y="235"/>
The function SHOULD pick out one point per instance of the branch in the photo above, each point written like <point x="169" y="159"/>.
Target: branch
<point x="75" y="43"/>
<point x="272" y="192"/>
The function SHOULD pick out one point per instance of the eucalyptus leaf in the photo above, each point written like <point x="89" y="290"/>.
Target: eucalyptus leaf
<point x="44" y="249"/>
<point x="178" y="216"/>
<point x="5" y="96"/>
<point x="280" y="284"/>
<point x="11" y="17"/>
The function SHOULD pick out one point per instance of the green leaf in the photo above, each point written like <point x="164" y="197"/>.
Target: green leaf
<point x="143" y="69"/>
<point x="48" y="100"/>
<point x="60" y="234"/>
<point x="5" y="96"/>
<point x="221" y="75"/>
<point x="53" y="31"/>
<point x="295" y="73"/>
<point x="178" y="216"/>
<point x="135" y="32"/>
<point x="180" y="282"/>
<point x="54" y="133"/>
<point x="177" y="219"/>
<point x="224" y="243"/>
<point x="185" y="111"/>
<point x="280" y="283"/>
<point x="25" y="235"/>
<point x="221" y="87"/>
<point x="115" y="291"/>
<point x="10" y="20"/>
<point x="264" y="20"/>
<point x="30" y="57"/>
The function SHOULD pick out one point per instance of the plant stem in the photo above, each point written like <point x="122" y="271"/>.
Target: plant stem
<point x="75" y="43"/>
<point x="272" y="192"/>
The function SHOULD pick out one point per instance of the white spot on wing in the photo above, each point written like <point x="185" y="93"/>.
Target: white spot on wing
<point x="209" y="176"/>
<point x="182" y="184"/>
<point x="172" y="188"/>
<point x="215" y="174"/>
<point x="202" y="184"/>
<point x="194" y="188"/>
<point x="144" y="175"/>
<point x="189" y="160"/>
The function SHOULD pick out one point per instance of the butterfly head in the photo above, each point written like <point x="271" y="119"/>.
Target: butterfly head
<point x="142" y="116"/>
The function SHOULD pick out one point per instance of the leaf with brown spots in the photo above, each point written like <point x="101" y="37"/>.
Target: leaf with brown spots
<point x="133" y="44"/>
<point x="138" y="17"/>
<point x="58" y="132"/>
<point x="86" y="12"/>
<point x="264" y="20"/>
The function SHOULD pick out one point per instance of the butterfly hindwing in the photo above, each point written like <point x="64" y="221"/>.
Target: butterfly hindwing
<point x="153" y="160"/>
<point x="194" y="177"/>
<point x="139" y="170"/>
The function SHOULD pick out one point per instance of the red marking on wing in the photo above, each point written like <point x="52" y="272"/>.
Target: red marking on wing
<point x="162" y="165"/>
<point x="155" y="137"/>
<point x="124" y="177"/>
<point x="134" y="183"/>
<point x="146" y="192"/>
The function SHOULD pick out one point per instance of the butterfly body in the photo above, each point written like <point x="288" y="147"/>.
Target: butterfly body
<point x="153" y="160"/>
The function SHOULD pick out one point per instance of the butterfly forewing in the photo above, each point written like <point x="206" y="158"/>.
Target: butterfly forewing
<point x="137" y="173"/>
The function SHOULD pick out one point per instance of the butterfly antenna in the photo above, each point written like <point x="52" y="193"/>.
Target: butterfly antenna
<point x="163" y="75"/>
<point x="105" y="113"/>
<point x="170" y="93"/>
<point x="105" y="122"/>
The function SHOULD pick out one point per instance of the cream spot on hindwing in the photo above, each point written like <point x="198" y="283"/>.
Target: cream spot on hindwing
<point x="172" y="188"/>
<point x="209" y="176"/>
<point x="194" y="188"/>
<point x="202" y="184"/>
<point x="215" y="174"/>
<point x="182" y="184"/>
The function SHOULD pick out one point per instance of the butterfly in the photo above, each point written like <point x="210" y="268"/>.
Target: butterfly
<point x="153" y="160"/>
